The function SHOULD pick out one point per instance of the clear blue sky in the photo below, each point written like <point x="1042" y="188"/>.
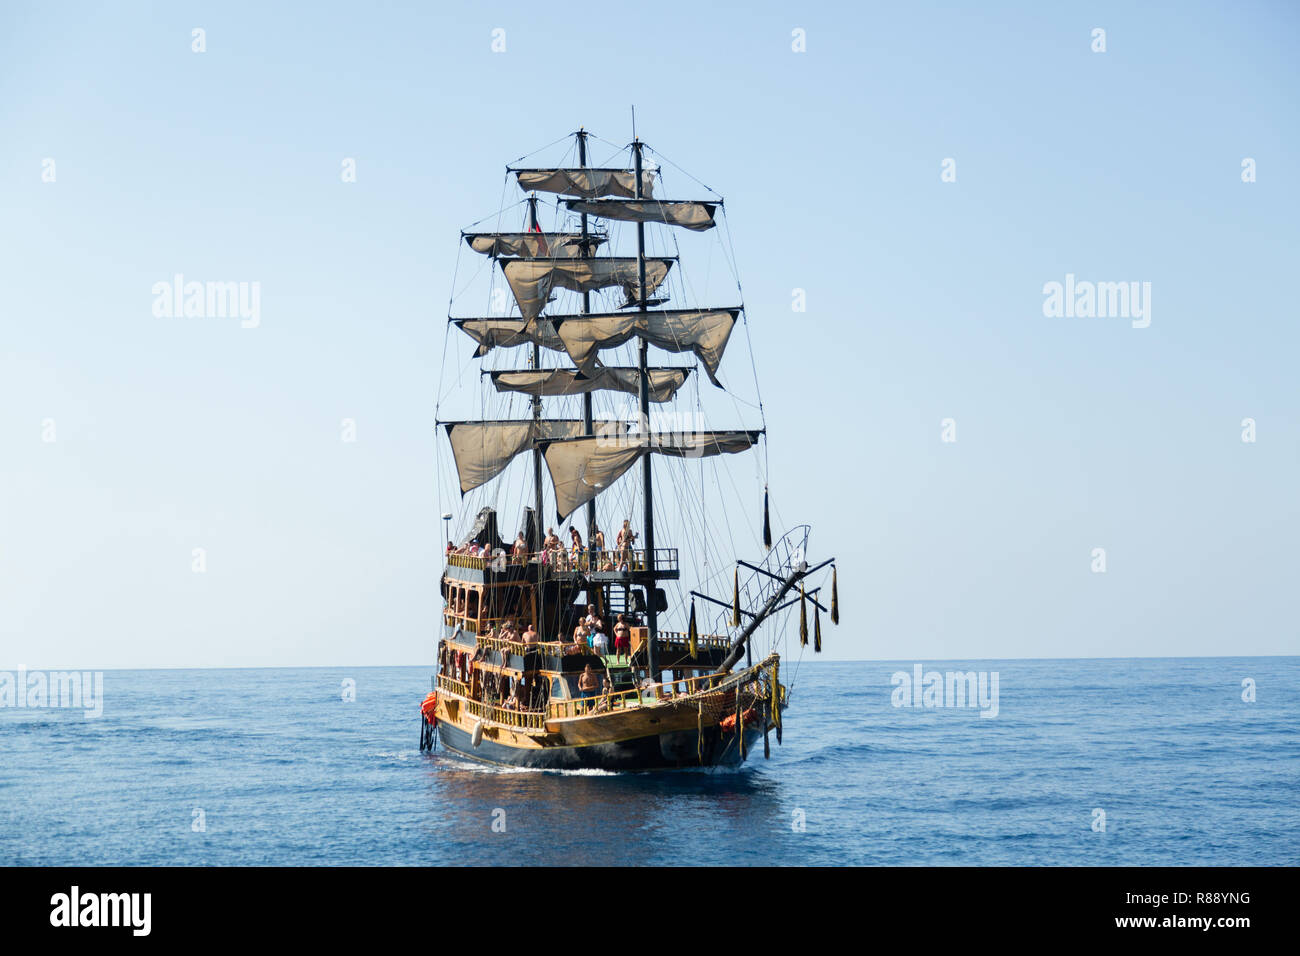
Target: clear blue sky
<point x="924" y="303"/>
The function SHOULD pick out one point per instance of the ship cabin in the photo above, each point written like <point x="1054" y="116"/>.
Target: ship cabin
<point x="492" y="598"/>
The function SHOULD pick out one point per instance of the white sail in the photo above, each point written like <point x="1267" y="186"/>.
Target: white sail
<point x="703" y="332"/>
<point x="664" y="382"/>
<point x="532" y="245"/>
<point x="531" y="280"/>
<point x="507" y="333"/>
<point x="482" y="450"/>
<point x="586" y="182"/>
<point x="697" y="216"/>
<point x="581" y="468"/>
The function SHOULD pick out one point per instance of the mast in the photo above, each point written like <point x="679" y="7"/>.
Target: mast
<point x="652" y="614"/>
<point x="537" y="417"/>
<point x="585" y="252"/>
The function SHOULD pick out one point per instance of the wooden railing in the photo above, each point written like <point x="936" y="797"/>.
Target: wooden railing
<point x="529" y="719"/>
<point x="451" y="619"/>
<point x="666" y="559"/>
<point x="670" y="639"/>
<point x="675" y="638"/>
<point x="600" y="703"/>
<point x="519" y="647"/>
<point x="619" y="700"/>
<point x="452" y="686"/>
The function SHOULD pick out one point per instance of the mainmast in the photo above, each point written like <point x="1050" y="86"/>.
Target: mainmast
<point x="585" y="252"/>
<point x="652" y="613"/>
<point x="537" y="417"/>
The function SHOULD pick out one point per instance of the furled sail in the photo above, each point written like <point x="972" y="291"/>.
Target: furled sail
<point x="532" y="245"/>
<point x="506" y="333"/>
<point x="482" y="450"/>
<point x="586" y="182"/>
<point x="531" y="280"/>
<point x="581" y="468"/>
<point x="690" y="215"/>
<point x="664" y="382"/>
<point x="702" y="331"/>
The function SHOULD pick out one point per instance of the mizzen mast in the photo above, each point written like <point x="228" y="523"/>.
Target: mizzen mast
<point x="538" y="534"/>
<point x="581" y="136"/>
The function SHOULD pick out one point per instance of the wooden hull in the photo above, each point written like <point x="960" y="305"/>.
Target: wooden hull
<point x="668" y="751"/>
<point x="650" y="738"/>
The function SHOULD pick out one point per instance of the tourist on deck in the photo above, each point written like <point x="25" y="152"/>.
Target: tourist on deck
<point x="588" y="683"/>
<point x="580" y="638"/>
<point x="626" y="537"/>
<point x="599" y="642"/>
<point x="530" y="635"/>
<point x="622" y="637"/>
<point x="598" y="542"/>
<point x="519" y="551"/>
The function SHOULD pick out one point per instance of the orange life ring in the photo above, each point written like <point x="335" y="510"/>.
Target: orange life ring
<point x="728" y="723"/>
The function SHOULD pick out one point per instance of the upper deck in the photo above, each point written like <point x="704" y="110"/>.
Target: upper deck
<point x="605" y="567"/>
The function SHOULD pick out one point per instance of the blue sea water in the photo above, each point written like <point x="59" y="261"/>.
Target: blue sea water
<point x="285" y="771"/>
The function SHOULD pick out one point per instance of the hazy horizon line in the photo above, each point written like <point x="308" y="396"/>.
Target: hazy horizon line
<point x="863" y="660"/>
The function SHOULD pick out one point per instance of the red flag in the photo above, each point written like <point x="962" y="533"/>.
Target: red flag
<point x="541" y="240"/>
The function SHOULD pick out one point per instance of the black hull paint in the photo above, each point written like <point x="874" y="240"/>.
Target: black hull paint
<point x="655" y="752"/>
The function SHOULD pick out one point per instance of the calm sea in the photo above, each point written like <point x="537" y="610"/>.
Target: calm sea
<point x="218" y="767"/>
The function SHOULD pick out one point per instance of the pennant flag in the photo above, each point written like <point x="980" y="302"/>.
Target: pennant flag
<point x="693" y="633"/>
<point x="541" y="241"/>
<point x="835" y="596"/>
<point x="803" y="617"/>
<point x="767" y="522"/>
<point x="735" y="600"/>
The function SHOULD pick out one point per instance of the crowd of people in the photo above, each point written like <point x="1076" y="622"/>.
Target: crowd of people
<point x="554" y="554"/>
<point x="590" y="634"/>
<point x="530" y="692"/>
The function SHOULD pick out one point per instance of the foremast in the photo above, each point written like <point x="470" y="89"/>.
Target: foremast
<point x="585" y="252"/>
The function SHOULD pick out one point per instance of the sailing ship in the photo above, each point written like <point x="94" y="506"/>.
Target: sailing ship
<point x="553" y="654"/>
